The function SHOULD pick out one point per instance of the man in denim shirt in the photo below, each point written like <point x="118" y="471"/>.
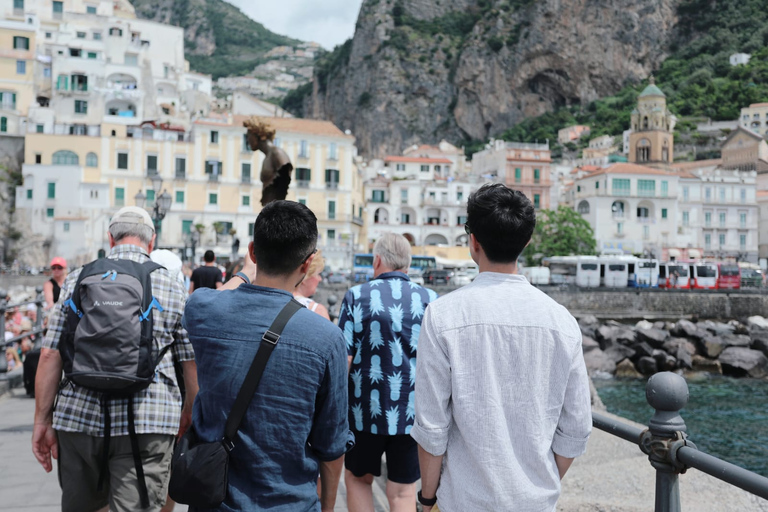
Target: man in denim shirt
<point x="381" y="321"/>
<point x="296" y="425"/>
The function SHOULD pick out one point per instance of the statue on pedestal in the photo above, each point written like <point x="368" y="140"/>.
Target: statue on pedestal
<point x="277" y="167"/>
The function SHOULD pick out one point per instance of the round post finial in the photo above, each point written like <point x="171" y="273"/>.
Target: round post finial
<point x="667" y="393"/>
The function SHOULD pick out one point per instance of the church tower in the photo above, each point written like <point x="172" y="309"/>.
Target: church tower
<point x="651" y="140"/>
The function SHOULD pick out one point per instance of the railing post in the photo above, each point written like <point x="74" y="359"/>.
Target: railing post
<point x="667" y="393"/>
<point x="39" y="302"/>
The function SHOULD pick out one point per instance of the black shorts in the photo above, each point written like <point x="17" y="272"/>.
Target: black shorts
<point x="402" y="457"/>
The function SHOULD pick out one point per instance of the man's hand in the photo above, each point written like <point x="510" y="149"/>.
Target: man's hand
<point x="45" y="445"/>
<point x="186" y="421"/>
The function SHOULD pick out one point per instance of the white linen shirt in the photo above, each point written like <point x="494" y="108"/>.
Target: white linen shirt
<point x="501" y="387"/>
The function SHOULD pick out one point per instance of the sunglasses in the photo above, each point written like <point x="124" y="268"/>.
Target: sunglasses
<point x="308" y="255"/>
<point x="57" y="267"/>
<point x="466" y="228"/>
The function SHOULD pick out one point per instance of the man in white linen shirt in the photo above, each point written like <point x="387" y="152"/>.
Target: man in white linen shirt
<point x="502" y="400"/>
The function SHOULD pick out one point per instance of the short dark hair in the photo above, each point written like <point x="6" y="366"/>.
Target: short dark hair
<point x="284" y="235"/>
<point x="209" y="257"/>
<point x="502" y="221"/>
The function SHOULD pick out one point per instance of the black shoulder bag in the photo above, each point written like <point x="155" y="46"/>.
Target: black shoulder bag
<point x="199" y="469"/>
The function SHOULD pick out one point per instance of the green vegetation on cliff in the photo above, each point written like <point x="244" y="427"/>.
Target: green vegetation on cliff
<point x="697" y="78"/>
<point x="219" y="38"/>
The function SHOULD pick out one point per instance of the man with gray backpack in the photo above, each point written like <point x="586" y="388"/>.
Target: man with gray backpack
<point x="115" y="334"/>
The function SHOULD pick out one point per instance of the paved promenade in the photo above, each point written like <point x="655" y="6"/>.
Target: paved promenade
<point x="25" y="487"/>
<point x="613" y="476"/>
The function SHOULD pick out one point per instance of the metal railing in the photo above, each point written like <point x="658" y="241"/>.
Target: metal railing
<point x="37" y="328"/>
<point x="669" y="451"/>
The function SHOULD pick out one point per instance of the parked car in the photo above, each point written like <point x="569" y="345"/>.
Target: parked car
<point x="435" y="276"/>
<point x="416" y="277"/>
<point x="751" y="278"/>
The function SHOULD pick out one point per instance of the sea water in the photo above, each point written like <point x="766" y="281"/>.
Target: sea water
<point x="726" y="417"/>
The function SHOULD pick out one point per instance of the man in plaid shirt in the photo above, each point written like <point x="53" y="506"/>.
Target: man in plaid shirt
<point x="73" y="433"/>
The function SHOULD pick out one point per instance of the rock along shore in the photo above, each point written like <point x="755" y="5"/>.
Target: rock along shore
<point x="734" y="348"/>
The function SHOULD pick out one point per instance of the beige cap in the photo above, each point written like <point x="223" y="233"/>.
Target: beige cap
<point x="133" y="215"/>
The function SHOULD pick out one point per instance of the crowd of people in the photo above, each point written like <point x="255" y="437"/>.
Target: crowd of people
<point x="482" y="394"/>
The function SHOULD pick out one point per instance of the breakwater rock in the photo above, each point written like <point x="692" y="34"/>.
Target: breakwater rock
<point x="734" y="348"/>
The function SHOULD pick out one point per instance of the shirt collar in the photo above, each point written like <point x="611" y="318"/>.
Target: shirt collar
<point x="393" y="275"/>
<point x="499" y="277"/>
<point x="122" y="249"/>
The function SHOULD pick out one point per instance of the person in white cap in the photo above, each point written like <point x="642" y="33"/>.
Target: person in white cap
<point x="74" y="433"/>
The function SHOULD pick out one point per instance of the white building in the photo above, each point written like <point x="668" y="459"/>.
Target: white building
<point x="426" y="212"/>
<point x="699" y="211"/>
<point x="739" y="58"/>
<point x="97" y="63"/>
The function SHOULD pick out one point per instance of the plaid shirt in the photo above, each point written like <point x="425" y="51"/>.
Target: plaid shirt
<point x="157" y="409"/>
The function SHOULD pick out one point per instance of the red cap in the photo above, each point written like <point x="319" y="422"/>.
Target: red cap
<point x="58" y="260"/>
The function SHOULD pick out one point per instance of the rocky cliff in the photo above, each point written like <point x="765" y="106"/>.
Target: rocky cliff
<point x="423" y="70"/>
<point x="219" y="38"/>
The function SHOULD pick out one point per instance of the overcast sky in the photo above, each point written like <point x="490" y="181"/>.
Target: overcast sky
<point x="328" y="22"/>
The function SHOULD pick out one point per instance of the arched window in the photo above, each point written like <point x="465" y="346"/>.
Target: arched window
<point x="65" y="158"/>
<point x="617" y="209"/>
<point x="91" y="160"/>
<point x="645" y="123"/>
<point x="643" y="150"/>
<point x="643" y="212"/>
<point x="665" y="151"/>
<point x="583" y="207"/>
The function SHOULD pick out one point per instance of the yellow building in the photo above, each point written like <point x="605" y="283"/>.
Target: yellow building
<point x="73" y="183"/>
<point x="17" y="74"/>
<point x="651" y="139"/>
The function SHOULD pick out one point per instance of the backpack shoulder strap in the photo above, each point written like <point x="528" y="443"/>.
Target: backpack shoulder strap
<point x="151" y="266"/>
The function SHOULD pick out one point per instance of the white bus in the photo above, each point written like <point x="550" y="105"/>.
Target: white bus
<point x="562" y="269"/>
<point x="588" y="272"/>
<point x="646" y="273"/>
<point x="615" y="272"/>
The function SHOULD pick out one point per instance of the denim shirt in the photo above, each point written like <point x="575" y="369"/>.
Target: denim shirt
<point x="298" y="415"/>
<point x="381" y="321"/>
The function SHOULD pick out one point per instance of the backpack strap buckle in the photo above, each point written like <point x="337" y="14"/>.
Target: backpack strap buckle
<point x="228" y="444"/>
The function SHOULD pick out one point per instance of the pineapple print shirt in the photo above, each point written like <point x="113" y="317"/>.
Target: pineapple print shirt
<point x="381" y="321"/>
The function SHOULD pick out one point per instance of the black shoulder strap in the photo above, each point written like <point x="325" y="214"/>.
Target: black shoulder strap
<point x="251" y="382"/>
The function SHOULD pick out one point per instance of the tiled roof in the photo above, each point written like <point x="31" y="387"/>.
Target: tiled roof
<point x="417" y="160"/>
<point x="681" y="166"/>
<point x="627" y="168"/>
<point x="758" y="105"/>
<point x="762" y="193"/>
<point x="296" y="125"/>
<point x="284" y="124"/>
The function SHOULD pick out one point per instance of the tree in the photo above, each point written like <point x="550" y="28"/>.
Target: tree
<point x="560" y="232"/>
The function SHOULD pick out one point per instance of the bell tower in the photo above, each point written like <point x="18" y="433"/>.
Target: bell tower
<point x="652" y="140"/>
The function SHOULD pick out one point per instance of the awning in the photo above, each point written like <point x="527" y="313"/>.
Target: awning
<point x="674" y="253"/>
<point x="694" y="254"/>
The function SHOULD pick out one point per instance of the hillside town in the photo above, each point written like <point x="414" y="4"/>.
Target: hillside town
<point x="99" y="109"/>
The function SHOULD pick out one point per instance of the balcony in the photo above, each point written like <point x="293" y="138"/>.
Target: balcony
<point x="213" y="177"/>
<point x="245" y="180"/>
<point x="332" y="185"/>
<point x="358" y="221"/>
<point x="180" y="175"/>
<point x="150" y="173"/>
<point x="302" y="183"/>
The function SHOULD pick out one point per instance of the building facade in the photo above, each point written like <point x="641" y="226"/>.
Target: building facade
<point x="522" y="166"/>
<point x="427" y="213"/>
<point x="77" y="182"/>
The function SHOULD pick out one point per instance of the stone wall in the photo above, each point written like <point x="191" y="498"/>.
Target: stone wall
<point x="661" y="304"/>
<point x="635" y="304"/>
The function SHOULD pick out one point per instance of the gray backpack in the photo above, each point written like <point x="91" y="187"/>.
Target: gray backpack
<point x="108" y="342"/>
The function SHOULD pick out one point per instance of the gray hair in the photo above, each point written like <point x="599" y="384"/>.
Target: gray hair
<point x="120" y="230"/>
<point x="394" y="251"/>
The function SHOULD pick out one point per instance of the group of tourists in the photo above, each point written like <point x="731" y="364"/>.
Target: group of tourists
<point x="481" y="394"/>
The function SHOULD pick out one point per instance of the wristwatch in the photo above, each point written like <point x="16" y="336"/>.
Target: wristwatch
<point x="244" y="277"/>
<point x="427" y="502"/>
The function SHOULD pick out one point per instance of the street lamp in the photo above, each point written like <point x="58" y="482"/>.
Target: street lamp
<point x="161" y="206"/>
